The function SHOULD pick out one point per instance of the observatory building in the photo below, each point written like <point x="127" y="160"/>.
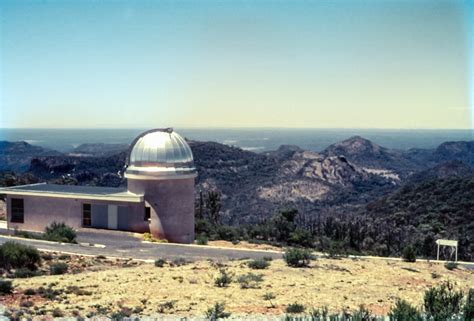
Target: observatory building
<point x="159" y="197"/>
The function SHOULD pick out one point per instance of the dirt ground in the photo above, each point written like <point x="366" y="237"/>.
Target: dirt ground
<point x="190" y="289"/>
<point x="245" y="245"/>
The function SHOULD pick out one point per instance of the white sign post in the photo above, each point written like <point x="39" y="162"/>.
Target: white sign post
<point x="451" y="243"/>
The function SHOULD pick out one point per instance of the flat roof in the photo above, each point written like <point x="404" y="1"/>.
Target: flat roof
<point x="119" y="194"/>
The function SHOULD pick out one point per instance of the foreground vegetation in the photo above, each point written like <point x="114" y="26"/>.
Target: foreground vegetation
<point x="55" y="232"/>
<point x="299" y="285"/>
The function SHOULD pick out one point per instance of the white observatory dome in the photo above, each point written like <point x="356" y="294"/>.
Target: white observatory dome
<point x="160" y="154"/>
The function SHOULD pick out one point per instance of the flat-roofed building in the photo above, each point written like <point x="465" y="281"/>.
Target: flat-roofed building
<point x="159" y="197"/>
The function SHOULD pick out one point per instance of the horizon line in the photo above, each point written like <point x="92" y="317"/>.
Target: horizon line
<point x="240" y="128"/>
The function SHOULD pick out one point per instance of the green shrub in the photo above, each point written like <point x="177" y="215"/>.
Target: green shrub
<point x="409" y="254"/>
<point x="224" y="279"/>
<point x="468" y="310"/>
<point x="16" y="255"/>
<point x="450" y="265"/>
<point x="60" y="232"/>
<point x="29" y="291"/>
<point x="58" y="268"/>
<point x="258" y="264"/>
<point x="295" y="308"/>
<point x="202" y="239"/>
<point x="269" y="296"/>
<point x="217" y="311"/>
<point x="298" y="257"/>
<point x="6" y="287"/>
<point x="250" y="281"/>
<point x="301" y="237"/>
<point x="160" y="262"/>
<point x="404" y="311"/>
<point x="226" y="233"/>
<point x="24" y="273"/>
<point x="336" y="249"/>
<point x="442" y="302"/>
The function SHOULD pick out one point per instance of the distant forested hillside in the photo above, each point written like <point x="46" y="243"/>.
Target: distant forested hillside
<point x="423" y="212"/>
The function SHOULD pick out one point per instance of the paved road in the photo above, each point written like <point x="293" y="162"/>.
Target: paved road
<point x="123" y="244"/>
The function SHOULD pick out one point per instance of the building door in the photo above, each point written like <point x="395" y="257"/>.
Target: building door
<point x="112" y="217"/>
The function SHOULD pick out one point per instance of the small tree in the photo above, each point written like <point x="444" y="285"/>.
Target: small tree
<point x="224" y="279"/>
<point x="213" y="206"/>
<point x="442" y="302"/>
<point x="298" y="257"/>
<point x="404" y="311"/>
<point x="409" y="254"/>
<point x="269" y="296"/>
<point x="217" y="311"/>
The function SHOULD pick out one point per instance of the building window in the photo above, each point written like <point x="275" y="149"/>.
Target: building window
<point x="86" y="215"/>
<point x="18" y="210"/>
<point x="147" y="214"/>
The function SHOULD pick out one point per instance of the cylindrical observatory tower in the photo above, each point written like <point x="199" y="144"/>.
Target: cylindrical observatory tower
<point x="160" y="166"/>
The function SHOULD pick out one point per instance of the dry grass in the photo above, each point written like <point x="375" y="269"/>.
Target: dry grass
<point x="332" y="283"/>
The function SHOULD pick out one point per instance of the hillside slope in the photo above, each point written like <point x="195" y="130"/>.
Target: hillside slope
<point x="423" y="212"/>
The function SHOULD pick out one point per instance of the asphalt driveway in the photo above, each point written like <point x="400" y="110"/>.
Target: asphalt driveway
<point x="126" y="245"/>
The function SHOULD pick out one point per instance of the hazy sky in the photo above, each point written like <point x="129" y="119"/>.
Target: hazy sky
<point x="374" y="64"/>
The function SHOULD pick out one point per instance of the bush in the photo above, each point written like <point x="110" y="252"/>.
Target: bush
<point x="60" y="232"/>
<point x="409" y="254"/>
<point x="24" y="273"/>
<point x="58" y="268"/>
<point x="201" y="239"/>
<point x="468" y="310"/>
<point x="224" y="279"/>
<point x="258" y="264"/>
<point x="57" y="313"/>
<point x="295" y="308"/>
<point x="16" y="255"/>
<point x="450" y="265"/>
<point x="336" y="249"/>
<point x="165" y="306"/>
<point x="250" y="281"/>
<point x="404" y="311"/>
<point x="226" y="233"/>
<point x="442" y="302"/>
<point x="29" y="291"/>
<point x="301" y="237"/>
<point x="269" y="296"/>
<point x="298" y="257"/>
<point x="217" y="312"/>
<point x="160" y="262"/>
<point x="180" y="261"/>
<point x="5" y="287"/>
